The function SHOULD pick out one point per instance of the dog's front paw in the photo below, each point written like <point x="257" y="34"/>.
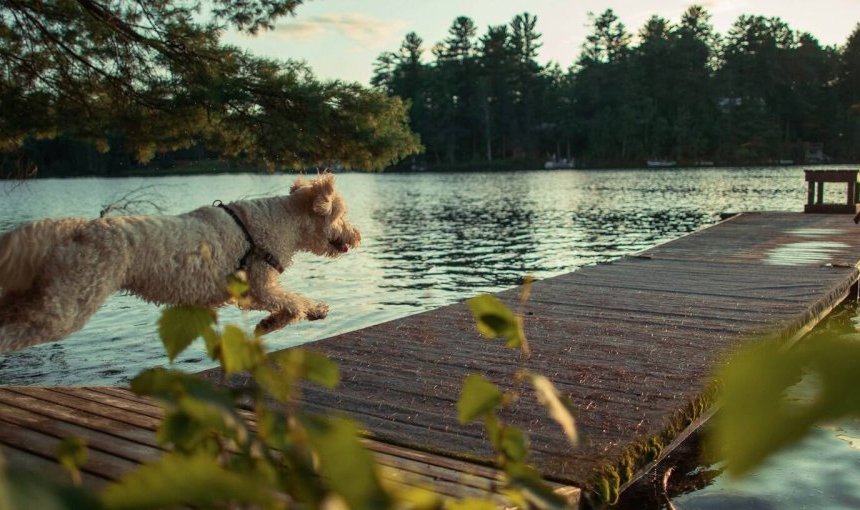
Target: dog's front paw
<point x="275" y="322"/>
<point x="317" y="311"/>
<point x="265" y="326"/>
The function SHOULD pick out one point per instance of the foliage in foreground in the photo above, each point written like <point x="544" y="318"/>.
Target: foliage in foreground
<point x="254" y="446"/>
<point x="772" y="397"/>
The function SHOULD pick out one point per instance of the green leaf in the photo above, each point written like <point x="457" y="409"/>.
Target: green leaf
<point x="471" y="504"/>
<point x="493" y="428"/>
<point x="495" y="320"/>
<point x="239" y="353"/>
<point x="182" y="432"/>
<point x="290" y="364"/>
<point x="559" y="407"/>
<point x="176" y="480"/>
<point x="347" y="466"/>
<point x="272" y="428"/>
<point x="320" y="370"/>
<point x="754" y="420"/>
<point x="478" y="398"/>
<point x="284" y="369"/>
<point x="20" y="489"/>
<point x="213" y="343"/>
<point x="761" y="411"/>
<point x="273" y="381"/>
<point x="170" y="386"/>
<point x="72" y="454"/>
<point x="237" y="284"/>
<point x="514" y="444"/>
<point x="419" y="498"/>
<point x="180" y="325"/>
<point x="194" y="424"/>
<point x="529" y="482"/>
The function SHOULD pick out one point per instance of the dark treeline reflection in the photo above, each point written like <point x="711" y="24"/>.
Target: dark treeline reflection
<point x="466" y="244"/>
<point x="763" y="92"/>
<point x="486" y="233"/>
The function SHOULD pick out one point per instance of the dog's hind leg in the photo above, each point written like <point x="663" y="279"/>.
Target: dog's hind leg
<point x="70" y="289"/>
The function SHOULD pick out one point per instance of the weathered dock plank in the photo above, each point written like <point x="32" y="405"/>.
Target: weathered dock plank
<point x="632" y="343"/>
<point x="119" y="430"/>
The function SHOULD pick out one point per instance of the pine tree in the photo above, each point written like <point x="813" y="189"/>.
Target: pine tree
<point x="154" y="75"/>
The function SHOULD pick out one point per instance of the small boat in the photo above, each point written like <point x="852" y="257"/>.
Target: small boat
<point x="660" y="163"/>
<point x="786" y="162"/>
<point x="559" y="163"/>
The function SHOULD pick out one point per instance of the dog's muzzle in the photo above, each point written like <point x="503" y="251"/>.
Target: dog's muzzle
<point x="340" y="246"/>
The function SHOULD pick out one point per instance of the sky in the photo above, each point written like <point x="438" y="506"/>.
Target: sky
<point x="340" y="39"/>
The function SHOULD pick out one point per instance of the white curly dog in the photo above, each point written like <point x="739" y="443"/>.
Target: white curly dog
<point x="55" y="273"/>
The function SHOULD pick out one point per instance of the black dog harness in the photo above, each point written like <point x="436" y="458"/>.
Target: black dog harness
<point x="253" y="249"/>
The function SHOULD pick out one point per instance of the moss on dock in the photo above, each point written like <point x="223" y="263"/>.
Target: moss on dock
<point x="605" y="488"/>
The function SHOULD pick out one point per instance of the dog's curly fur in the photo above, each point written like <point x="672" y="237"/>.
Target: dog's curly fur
<point x="55" y="273"/>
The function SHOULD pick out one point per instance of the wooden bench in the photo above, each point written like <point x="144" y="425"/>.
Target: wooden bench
<point x="815" y="199"/>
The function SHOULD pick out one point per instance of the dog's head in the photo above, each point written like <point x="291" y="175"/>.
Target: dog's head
<point x="330" y="233"/>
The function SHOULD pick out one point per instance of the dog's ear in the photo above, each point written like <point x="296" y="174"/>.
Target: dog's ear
<point x="299" y="183"/>
<point x="324" y="190"/>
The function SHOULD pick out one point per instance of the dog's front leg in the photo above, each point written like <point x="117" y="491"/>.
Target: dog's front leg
<point x="286" y="307"/>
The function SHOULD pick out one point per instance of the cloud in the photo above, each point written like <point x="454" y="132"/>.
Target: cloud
<point x="302" y="31"/>
<point x="355" y="26"/>
<point x="724" y="6"/>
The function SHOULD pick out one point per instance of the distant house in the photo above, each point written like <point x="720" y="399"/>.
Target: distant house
<point x="814" y="153"/>
<point x="727" y="104"/>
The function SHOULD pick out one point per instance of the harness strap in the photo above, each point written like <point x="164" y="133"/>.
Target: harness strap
<point x="253" y="249"/>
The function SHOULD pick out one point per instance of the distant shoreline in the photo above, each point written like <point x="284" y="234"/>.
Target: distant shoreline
<point x="217" y="167"/>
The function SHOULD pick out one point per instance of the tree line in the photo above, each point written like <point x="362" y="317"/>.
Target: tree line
<point x="761" y="93"/>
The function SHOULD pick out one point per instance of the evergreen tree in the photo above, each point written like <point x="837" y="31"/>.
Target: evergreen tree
<point x="849" y="96"/>
<point x="695" y="55"/>
<point x="763" y="92"/>
<point x="601" y="90"/>
<point x="456" y="65"/>
<point x="154" y="76"/>
<point x="494" y="92"/>
<point x="527" y="85"/>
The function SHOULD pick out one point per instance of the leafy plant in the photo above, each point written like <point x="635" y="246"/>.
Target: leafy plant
<point x="772" y="397"/>
<point x="480" y="399"/>
<point x="72" y="454"/>
<point x="254" y="446"/>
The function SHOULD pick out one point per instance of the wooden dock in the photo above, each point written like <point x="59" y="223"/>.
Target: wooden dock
<point x="632" y="344"/>
<point x="119" y="430"/>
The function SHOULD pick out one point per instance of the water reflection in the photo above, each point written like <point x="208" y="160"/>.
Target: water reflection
<point x="451" y="244"/>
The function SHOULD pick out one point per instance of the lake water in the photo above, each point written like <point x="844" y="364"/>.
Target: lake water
<point x="430" y="240"/>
